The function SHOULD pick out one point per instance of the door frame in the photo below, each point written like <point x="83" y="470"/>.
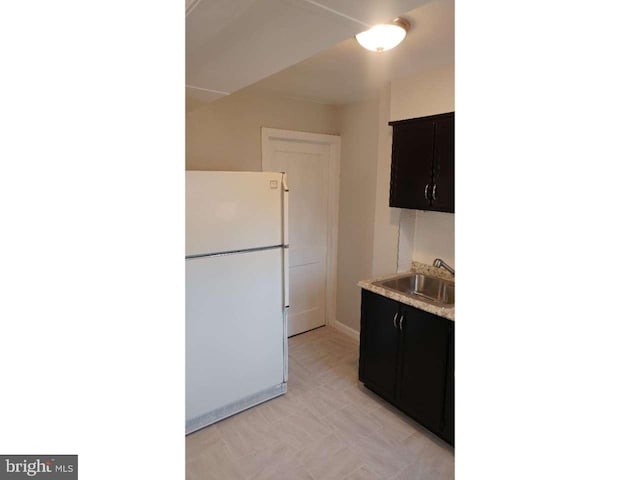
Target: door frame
<point x="334" y="142"/>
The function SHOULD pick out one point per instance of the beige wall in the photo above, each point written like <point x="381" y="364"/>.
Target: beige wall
<point x="359" y="132"/>
<point x="385" y="238"/>
<point x="427" y="93"/>
<point x="225" y="134"/>
<point x="434" y="237"/>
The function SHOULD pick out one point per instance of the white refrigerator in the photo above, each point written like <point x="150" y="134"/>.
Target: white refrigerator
<point x="236" y="292"/>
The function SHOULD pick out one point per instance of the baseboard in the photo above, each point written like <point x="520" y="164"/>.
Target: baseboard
<point x="341" y="327"/>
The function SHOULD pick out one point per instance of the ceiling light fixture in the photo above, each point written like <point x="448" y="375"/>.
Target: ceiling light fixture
<point x="381" y="38"/>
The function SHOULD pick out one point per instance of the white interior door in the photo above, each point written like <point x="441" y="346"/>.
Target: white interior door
<point x="310" y="161"/>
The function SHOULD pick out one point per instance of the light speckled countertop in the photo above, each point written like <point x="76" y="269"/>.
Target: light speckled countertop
<point x="446" y="312"/>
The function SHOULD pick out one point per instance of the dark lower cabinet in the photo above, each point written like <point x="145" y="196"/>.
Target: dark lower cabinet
<point x="379" y="362"/>
<point x="425" y="346"/>
<point x="449" y="407"/>
<point x="406" y="356"/>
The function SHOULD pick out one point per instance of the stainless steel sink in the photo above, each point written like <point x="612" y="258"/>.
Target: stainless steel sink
<point x="431" y="289"/>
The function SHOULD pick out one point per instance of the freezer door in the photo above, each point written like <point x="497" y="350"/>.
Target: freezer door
<point x="230" y="211"/>
<point x="235" y="330"/>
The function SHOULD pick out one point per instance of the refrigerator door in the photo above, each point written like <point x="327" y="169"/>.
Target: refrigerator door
<point x="232" y="211"/>
<point x="235" y="334"/>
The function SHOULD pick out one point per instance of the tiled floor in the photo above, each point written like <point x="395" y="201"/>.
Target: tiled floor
<point x="327" y="426"/>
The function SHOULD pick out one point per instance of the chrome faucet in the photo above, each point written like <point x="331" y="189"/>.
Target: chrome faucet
<point x="438" y="262"/>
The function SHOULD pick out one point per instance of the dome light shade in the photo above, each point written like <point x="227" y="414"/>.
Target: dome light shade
<point x="381" y="38"/>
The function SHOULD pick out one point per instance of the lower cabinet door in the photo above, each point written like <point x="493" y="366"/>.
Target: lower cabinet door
<point x="423" y="374"/>
<point x="449" y="399"/>
<point x="379" y="343"/>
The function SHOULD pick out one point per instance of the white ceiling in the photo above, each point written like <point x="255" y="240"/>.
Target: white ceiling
<point x="347" y="72"/>
<point x="231" y="44"/>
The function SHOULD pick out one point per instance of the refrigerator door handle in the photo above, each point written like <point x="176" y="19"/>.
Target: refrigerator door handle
<point x="285" y="273"/>
<point x="285" y="210"/>
<point x="285" y="237"/>
<point x="285" y="345"/>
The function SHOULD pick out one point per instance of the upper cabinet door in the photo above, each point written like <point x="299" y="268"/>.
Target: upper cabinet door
<point x="422" y="165"/>
<point x="412" y="164"/>
<point x="442" y="193"/>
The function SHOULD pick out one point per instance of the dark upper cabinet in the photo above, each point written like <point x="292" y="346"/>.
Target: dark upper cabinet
<point x="422" y="163"/>
<point x="406" y="356"/>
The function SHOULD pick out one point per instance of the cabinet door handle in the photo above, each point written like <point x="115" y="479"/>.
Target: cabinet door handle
<point x="426" y="192"/>
<point x="395" y="324"/>
<point x="433" y="193"/>
<point x="401" y="320"/>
